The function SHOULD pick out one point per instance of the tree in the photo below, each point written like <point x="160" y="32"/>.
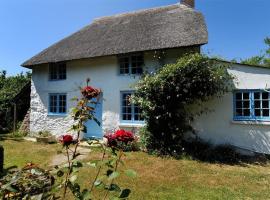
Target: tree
<point x="10" y="86"/>
<point x="263" y="60"/>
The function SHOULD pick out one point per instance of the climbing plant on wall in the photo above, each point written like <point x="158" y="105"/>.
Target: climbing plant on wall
<point x="166" y="98"/>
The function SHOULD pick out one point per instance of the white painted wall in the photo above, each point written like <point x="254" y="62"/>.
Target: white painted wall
<point x="104" y="74"/>
<point x="218" y="126"/>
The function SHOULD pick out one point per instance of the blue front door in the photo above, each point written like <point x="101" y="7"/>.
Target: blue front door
<point x="93" y="129"/>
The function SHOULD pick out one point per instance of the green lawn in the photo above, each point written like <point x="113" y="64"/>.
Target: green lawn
<point x="159" y="178"/>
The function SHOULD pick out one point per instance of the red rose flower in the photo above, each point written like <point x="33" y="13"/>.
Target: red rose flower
<point x="111" y="139"/>
<point x="124" y="136"/>
<point x="119" y="136"/>
<point x="90" y="92"/>
<point x="66" y="140"/>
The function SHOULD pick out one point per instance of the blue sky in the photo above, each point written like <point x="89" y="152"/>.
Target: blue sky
<point x="236" y="27"/>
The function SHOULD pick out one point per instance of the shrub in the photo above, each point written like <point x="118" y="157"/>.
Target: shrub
<point x="18" y="134"/>
<point x="167" y="97"/>
<point x="30" y="182"/>
<point x="123" y="140"/>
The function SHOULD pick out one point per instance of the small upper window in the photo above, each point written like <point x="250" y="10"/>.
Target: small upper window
<point x="131" y="64"/>
<point x="252" y="105"/>
<point x="57" y="71"/>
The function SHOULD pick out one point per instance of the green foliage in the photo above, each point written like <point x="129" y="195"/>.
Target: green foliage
<point x="10" y="86"/>
<point x="44" y="134"/>
<point x="263" y="60"/>
<point x="31" y="182"/>
<point x="18" y="134"/>
<point x="167" y="97"/>
<point x="110" y="161"/>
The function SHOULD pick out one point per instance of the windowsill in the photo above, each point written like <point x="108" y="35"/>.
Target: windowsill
<point x="56" y="80"/>
<point x="131" y="125"/>
<point x="57" y="114"/>
<point x="251" y="122"/>
<point x="130" y="75"/>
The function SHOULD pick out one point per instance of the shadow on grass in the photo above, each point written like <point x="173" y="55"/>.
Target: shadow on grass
<point x="222" y="154"/>
<point x="4" y="137"/>
<point x="8" y="170"/>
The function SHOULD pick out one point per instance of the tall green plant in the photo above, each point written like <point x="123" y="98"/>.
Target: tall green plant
<point x="167" y="96"/>
<point x="109" y="162"/>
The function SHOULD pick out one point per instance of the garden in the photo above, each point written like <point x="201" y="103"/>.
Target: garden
<point x="155" y="163"/>
<point x="159" y="178"/>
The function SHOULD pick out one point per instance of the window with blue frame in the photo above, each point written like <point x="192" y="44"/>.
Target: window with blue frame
<point x="130" y="112"/>
<point x="131" y="63"/>
<point x="251" y="105"/>
<point x="57" y="104"/>
<point x="57" y="71"/>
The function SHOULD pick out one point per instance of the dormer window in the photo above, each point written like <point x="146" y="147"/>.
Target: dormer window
<point x="131" y="64"/>
<point x="57" y="71"/>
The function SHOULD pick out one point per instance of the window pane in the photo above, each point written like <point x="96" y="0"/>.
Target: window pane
<point x="126" y="116"/>
<point x="239" y="112"/>
<point x="137" y="64"/>
<point x="53" y="104"/>
<point x="126" y="107"/>
<point x="265" y="95"/>
<point x="238" y="104"/>
<point x="257" y="95"/>
<point x="238" y="96"/>
<point x="246" y="104"/>
<point x="62" y="103"/>
<point x="257" y="112"/>
<point x="246" y="95"/>
<point x="257" y="104"/>
<point x="124" y="65"/>
<point x="62" y="71"/>
<point x="53" y="72"/>
<point x="265" y="113"/>
<point x="246" y="112"/>
<point x="265" y="104"/>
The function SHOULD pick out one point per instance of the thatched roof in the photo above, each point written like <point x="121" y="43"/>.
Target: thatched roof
<point x="157" y="28"/>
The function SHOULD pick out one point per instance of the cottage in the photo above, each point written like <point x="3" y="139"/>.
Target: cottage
<point x="114" y="51"/>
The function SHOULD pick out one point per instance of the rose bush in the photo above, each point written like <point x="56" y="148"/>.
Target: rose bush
<point x="67" y="140"/>
<point x="110" y="160"/>
<point x="122" y="139"/>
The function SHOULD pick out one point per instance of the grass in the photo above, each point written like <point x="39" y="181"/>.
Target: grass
<point x="19" y="152"/>
<point x="162" y="178"/>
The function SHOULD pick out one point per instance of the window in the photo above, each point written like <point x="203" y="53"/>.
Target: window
<point x="131" y="64"/>
<point x="251" y="105"/>
<point x="130" y="112"/>
<point x="57" y="71"/>
<point x="57" y="103"/>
